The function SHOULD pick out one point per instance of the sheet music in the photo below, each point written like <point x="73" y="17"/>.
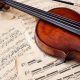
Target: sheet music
<point x="20" y="58"/>
<point x="35" y="65"/>
<point x="12" y="45"/>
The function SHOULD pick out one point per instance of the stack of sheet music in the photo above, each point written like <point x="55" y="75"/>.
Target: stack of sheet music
<point x="20" y="58"/>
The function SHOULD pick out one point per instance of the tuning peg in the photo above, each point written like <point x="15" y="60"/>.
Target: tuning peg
<point x="4" y="6"/>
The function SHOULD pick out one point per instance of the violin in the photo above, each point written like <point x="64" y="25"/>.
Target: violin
<point x="57" y="32"/>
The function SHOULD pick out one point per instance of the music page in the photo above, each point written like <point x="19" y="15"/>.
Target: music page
<point x="20" y="58"/>
<point x="12" y="45"/>
<point x="35" y="64"/>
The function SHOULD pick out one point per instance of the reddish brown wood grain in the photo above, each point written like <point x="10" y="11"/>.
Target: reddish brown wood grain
<point x="58" y="42"/>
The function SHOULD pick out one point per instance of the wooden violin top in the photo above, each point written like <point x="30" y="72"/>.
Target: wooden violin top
<point x="56" y="41"/>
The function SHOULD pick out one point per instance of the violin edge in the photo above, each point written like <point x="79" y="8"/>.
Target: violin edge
<point x="73" y="55"/>
<point x="49" y="50"/>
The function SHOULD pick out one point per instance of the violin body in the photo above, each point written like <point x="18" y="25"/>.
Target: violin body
<point x="58" y="31"/>
<point x="58" y="42"/>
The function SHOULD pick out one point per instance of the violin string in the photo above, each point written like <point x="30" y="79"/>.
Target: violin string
<point x="64" y="20"/>
<point x="58" y="17"/>
<point x="51" y="15"/>
<point x="67" y="21"/>
<point x="42" y="16"/>
<point x="30" y="9"/>
<point x="54" y="16"/>
<point x="61" y="19"/>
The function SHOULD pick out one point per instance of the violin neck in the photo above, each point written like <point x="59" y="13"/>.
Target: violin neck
<point x="64" y="23"/>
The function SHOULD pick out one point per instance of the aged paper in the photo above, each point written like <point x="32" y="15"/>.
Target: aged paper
<point x="35" y="65"/>
<point x="12" y="45"/>
<point x="20" y="58"/>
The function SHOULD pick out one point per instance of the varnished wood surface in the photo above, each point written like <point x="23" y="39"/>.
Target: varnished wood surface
<point x="56" y="41"/>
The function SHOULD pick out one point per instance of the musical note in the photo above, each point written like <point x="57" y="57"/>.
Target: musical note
<point x="20" y="58"/>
